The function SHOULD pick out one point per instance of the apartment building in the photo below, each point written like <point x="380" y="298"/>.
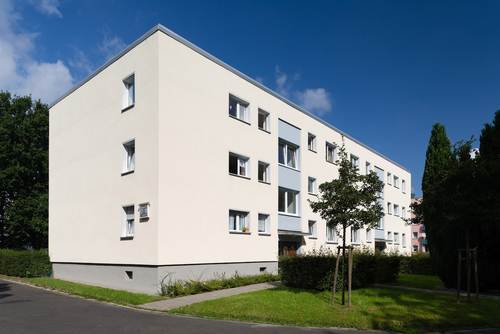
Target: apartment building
<point x="418" y="235"/>
<point x="167" y="163"/>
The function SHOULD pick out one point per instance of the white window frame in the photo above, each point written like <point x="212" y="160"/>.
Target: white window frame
<point x="311" y="185"/>
<point x="287" y="193"/>
<point x="403" y="186"/>
<point x="354" y="161"/>
<point x="143" y="209"/>
<point x="267" y="224"/>
<point x="368" y="167"/>
<point x="331" y="232"/>
<point x="403" y="240"/>
<point x="128" y="225"/>
<point x="242" y="109"/>
<point x="267" y="120"/>
<point x="389" y="208"/>
<point x="238" y="227"/>
<point x="313" y="229"/>
<point x="128" y="99"/>
<point x="396" y="238"/>
<point x="396" y="181"/>
<point x="284" y="146"/>
<point x="128" y="165"/>
<point x="241" y="162"/>
<point x="389" y="178"/>
<point x="267" y="172"/>
<point x="389" y="236"/>
<point x="369" y="235"/>
<point x="403" y="212"/>
<point x="333" y="149"/>
<point x="396" y="210"/>
<point x="311" y="142"/>
<point x="355" y="236"/>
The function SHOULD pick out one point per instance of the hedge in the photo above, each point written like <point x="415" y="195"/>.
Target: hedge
<point x="24" y="263"/>
<point x="419" y="264"/>
<point x="315" y="271"/>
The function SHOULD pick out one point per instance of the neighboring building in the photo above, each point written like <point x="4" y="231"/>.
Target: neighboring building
<point x="167" y="162"/>
<point x="418" y="236"/>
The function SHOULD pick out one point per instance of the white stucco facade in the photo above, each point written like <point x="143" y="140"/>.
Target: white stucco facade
<point x="183" y="135"/>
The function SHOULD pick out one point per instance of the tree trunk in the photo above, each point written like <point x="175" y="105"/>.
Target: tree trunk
<point x="343" y="264"/>
<point x="2" y="221"/>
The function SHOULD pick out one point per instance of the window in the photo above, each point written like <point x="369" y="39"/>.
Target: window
<point x="380" y="225"/>
<point x="380" y="173"/>
<point x="396" y="237"/>
<point x="128" y="222"/>
<point x="396" y="210"/>
<point x="330" y="152"/>
<point x="129" y="157"/>
<point x="263" y="121"/>
<point x="264" y="227"/>
<point x="287" y="201"/>
<point x="238" y="165"/>
<point x="354" y="235"/>
<point x="415" y="235"/>
<point x="128" y="92"/>
<point x="389" y="236"/>
<point x="239" y="109"/>
<point x="313" y="229"/>
<point x="368" y="168"/>
<point x="396" y="181"/>
<point x="143" y="212"/>
<point x="264" y="172"/>
<point x="389" y="178"/>
<point x="389" y="208"/>
<point x="415" y="248"/>
<point x="331" y="234"/>
<point x="238" y="221"/>
<point x="311" y="142"/>
<point x="355" y="161"/>
<point x="403" y="186"/>
<point x="403" y="212"/>
<point x="369" y="235"/>
<point x="403" y="239"/>
<point x="287" y="154"/>
<point x="311" y="185"/>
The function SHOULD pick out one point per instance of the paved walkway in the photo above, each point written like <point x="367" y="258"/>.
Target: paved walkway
<point x="170" y="304"/>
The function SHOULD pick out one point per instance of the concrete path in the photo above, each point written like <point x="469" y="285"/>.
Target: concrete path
<point x="27" y="310"/>
<point x="170" y="304"/>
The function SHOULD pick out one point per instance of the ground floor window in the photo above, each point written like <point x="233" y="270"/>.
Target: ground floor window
<point x="128" y="222"/>
<point x="238" y="221"/>
<point x="264" y="224"/>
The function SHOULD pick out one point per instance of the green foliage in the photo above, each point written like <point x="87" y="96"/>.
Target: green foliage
<point x="26" y="263"/>
<point x="461" y="204"/>
<point x="352" y="199"/>
<point x="420" y="264"/>
<point x="174" y="288"/>
<point x="316" y="271"/>
<point x="24" y="130"/>
<point x="419" y="281"/>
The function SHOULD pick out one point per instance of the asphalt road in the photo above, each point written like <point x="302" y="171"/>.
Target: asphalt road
<point x="24" y="309"/>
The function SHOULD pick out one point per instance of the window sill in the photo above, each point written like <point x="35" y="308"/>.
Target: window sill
<point x="314" y="238"/>
<point x="313" y="194"/>
<point x="369" y="241"/>
<point x="264" y="182"/>
<point x="288" y="214"/>
<point x="330" y="162"/>
<point x="240" y="176"/>
<point x="264" y="130"/>
<point x="128" y="172"/>
<point x="332" y="242"/>
<point x="292" y="168"/>
<point x="355" y="243"/>
<point x="127" y="238"/>
<point x="265" y="234"/>
<point x="239" y="232"/>
<point x="128" y="107"/>
<point x="239" y="119"/>
<point x="314" y="151"/>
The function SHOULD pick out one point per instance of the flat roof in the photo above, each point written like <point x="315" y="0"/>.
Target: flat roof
<point x="204" y="53"/>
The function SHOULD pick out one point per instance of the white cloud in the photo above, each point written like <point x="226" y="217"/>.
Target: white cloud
<point x="80" y="62"/>
<point x="111" y="46"/>
<point x="20" y="72"/>
<point x="48" y="7"/>
<point x="315" y="100"/>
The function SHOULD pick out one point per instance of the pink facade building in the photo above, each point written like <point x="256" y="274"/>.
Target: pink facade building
<point x="418" y="236"/>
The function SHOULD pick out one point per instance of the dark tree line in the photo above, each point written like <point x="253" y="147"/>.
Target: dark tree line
<point x="461" y="202"/>
<point x="24" y="138"/>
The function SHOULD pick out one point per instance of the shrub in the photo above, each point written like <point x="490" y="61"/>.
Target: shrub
<point x="173" y="288"/>
<point x="25" y="263"/>
<point x="316" y="270"/>
<point x="419" y="264"/>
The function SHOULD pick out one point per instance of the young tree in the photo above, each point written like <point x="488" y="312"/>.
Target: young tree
<point x="351" y="200"/>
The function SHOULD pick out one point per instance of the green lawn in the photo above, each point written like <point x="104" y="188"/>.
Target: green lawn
<point x="93" y="292"/>
<point x="420" y="281"/>
<point x="373" y="308"/>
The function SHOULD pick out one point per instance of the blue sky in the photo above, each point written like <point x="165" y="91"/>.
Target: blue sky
<point x="383" y="71"/>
